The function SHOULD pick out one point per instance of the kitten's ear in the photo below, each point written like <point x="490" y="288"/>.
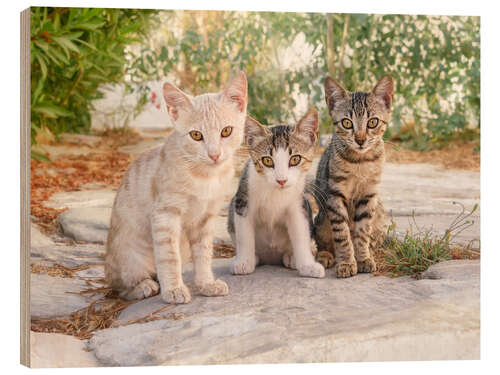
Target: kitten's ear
<point x="236" y="91"/>
<point x="384" y="90"/>
<point x="176" y="100"/>
<point x="334" y="92"/>
<point x="307" y="128"/>
<point x="254" y="130"/>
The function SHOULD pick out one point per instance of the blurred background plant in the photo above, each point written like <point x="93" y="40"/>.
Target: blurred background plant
<point x="74" y="52"/>
<point x="434" y="60"/>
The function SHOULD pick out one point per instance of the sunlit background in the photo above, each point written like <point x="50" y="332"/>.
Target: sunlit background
<point x="103" y="68"/>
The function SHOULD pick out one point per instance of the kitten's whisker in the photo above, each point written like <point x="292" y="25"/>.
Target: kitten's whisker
<point x="317" y="189"/>
<point x="318" y="194"/>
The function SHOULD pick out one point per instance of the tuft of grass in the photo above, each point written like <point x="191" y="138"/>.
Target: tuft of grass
<point x="418" y="249"/>
<point x="414" y="253"/>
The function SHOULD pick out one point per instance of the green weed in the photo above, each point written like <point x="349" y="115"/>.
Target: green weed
<point x="419" y="249"/>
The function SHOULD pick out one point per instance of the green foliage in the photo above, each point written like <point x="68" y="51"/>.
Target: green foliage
<point x="419" y="249"/>
<point x="434" y="61"/>
<point x="73" y="52"/>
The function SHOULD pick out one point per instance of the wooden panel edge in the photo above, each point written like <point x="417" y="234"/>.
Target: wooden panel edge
<point x="25" y="352"/>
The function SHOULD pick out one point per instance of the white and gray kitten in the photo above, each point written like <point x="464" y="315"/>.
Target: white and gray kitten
<point x="170" y="197"/>
<point x="270" y="220"/>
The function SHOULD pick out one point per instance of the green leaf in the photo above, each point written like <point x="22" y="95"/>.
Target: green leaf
<point x="43" y="65"/>
<point x="164" y="53"/>
<point x="89" y="26"/>
<point x="52" y="111"/>
<point x="66" y="43"/>
<point x="44" y="46"/>
<point x="131" y="28"/>
<point x="58" y="56"/>
<point x="73" y="35"/>
<point x="92" y="47"/>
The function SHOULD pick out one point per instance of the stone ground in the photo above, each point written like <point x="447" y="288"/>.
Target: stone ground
<point x="272" y="315"/>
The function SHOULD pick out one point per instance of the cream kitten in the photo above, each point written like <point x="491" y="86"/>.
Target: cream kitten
<point x="270" y="220"/>
<point x="170" y="197"/>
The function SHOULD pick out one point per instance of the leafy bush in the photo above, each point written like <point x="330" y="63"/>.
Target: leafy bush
<point x="73" y="52"/>
<point x="434" y="61"/>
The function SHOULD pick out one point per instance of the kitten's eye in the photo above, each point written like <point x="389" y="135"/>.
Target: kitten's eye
<point x="226" y="132"/>
<point x="373" y="122"/>
<point x="196" y="135"/>
<point x="295" y="160"/>
<point x="267" y="161"/>
<point x="346" y="123"/>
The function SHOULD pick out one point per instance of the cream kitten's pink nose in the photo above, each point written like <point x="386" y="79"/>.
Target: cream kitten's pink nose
<point x="214" y="157"/>
<point x="282" y="182"/>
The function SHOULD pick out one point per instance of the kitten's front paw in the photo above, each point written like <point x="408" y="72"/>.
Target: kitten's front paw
<point x="243" y="267"/>
<point x="176" y="295"/>
<point x="289" y="261"/>
<point x="312" y="270"/>
<point x="146" y="288"/>
<point x="213" y="289"/>
<point x="325" y="258"/>
<point x="345" y="269"/>
<point x="149" y="288"/>
<point x="367" y="265"/>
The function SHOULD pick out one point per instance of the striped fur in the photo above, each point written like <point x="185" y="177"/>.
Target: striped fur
<point x="169" y="198"/>
<point x="271" y="222"/>
<point x="352" y="222"/>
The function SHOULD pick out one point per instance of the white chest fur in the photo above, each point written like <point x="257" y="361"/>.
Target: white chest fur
<point x="207" y="195"/>
<point x="269" y="204"/>
<point x="269" y="210"/>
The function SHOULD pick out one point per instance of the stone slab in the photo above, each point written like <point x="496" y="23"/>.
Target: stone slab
<point x="54" y="296"/>
<point x="428" y="189"/>
<point x="90" y="224"/>
<point x="82" y="198"/>
<point x="57" y="350"/>
<point x="68" y="255"/>
<point x="274" y="316"/>
<point x="38" y="239"/>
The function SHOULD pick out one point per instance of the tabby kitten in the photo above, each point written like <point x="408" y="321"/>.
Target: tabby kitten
<point x="169" y="198"/>
<point x="352" y="222"/>
<point x="270" y="220"/>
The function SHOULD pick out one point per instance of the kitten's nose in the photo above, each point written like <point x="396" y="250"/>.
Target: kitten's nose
<point x="214" y="157"/>
<point x="281" y="182"/>
<point x="360" y="141"/>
